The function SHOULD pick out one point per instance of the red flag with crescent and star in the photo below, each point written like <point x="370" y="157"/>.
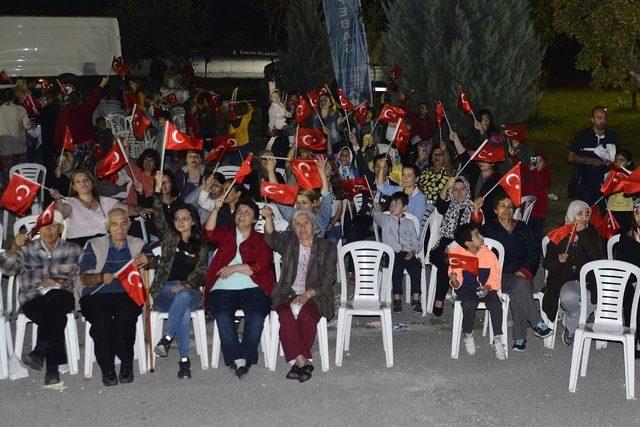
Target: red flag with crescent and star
<point x="490" y="154"/>
<point x="229" y="142"/>
<point x="112" y="162"/>
<point x="468" y="263"/>
<point x="216" y="154"/>
<point x="557" y="235"/>
<point x="178" y="141"/>
<point x="389" y="113"/>
<point x="19" y="194"/>
<point x="439" y="114"/>
<point x="119" y="66"/>
<point x="361" y="112"/>
<point x="354" y="186"/>
<point x="515" y="131"/>
<point x="615" y="181"/>
<point x="245" y="169"/>
<point x="463" y="102"/>
<point x="280" y="193"/>
<point x="511" y="182"/>
<point x="68" y="140"/>
<point x="44" y="219"/>
<point x="401" y="139"/>
<point x="139" y="122"/>
<point x="303" y="112"/>
<point x="131" y="281"/>
<point x="306" y="173"/>
<point x="609" y="226"/>
<point x="344" y="101"/>
<point x="311" y="139"/>
<point x="632" y="183"/>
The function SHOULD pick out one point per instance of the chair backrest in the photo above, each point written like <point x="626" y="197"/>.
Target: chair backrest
<point x="611" y="244"/>
<point x="528" y="202"/>
<point x="545" y="243"/>
<point x="611" y="281"/>
<point x="413" y="218"/>
<point x="277" y="263"/>
<point x="431" y="234"/>
<point x="357" y="201"/>
<point x="118" y="125"/>
<point x="33" y="171"/>
<point x="371" y="285"/>
<point x="28" y="222"/>
<point x="229" y="171"/>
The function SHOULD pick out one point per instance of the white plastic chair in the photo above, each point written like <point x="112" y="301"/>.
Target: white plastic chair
<point x="372" y="295"/>
<point x="611" y="244"/>
<point x="432" y="229"/>
<point x="118" y="125"/>
<point x="228" y="171"/>
<point x="35" y="172"/>
<point x="357" y="202"/>
<point x="523" y="212"/>
<point x="28" y="222"/>
<point x="550" y="341"/>
<point x="611" y="280"/>
<point x="457" y="309"/>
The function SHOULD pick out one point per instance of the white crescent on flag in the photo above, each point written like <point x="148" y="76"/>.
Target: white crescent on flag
<point x="137" y="282"/>
<point x="306" y="166"/>
<point x="27" y="191"/>
<point x="299" y="110"/>
<point x="388" y="114"/>
<point x="457" y="262"/>
<point x="511" y="175"/>
<point x="509" y="133"/>
<point x="464" y="98"/>
<point x="176" y="137"/>
<point x="232" y="142"/>
<point x="307" y="143"/>
<point x="269" y="189"/>
<point x="116" y="158"/>
<point x="359" y="187"/>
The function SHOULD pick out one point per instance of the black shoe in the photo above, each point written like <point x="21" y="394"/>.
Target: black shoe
<point x="52" y="377"/>
<point x="184" y="370"/>
<point x="109" y="378"/>
<point x="305" y="373"/>
<point x="397" y="306"/>
<point x="242" y="371"/>
<point x="294" y="373"/>
<point x="437" y="311"/>
<point x="34" y="361"/>
<point x="417" y="307"/>
<point x="126" y="374"/>
<point x="163" y="346"/>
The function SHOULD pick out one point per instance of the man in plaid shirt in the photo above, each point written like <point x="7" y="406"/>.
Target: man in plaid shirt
<point x="46" y="270"/>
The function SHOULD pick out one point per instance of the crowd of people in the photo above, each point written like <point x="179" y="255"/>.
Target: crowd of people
<point x="213" y="256"/>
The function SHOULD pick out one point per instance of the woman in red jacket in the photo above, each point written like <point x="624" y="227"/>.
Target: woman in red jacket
<point x="240" y="277"/>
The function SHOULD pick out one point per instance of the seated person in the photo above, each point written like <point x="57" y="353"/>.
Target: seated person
<point x="46" y="268"/>
<point x="304" y="293"/>
<point x="521" y="260"/>
<point x="563" y="262"/>
<point x="240" y="277"/>
<point x="399" y="232"/>
<point x="472" y="290"/>
<point x="204" y="197"/>
<point x="417" y="201"/>
<point x="104" y="303"/>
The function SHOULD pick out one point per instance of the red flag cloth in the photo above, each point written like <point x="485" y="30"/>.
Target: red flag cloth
<point x="45" y="85"/>
<point x="609" y="227"/>
<point x="44" y="219"/>
<point x="361" y="113"/>
<point x="112" y="162"/>
<point x="515" y="131"/>
<point x="323" y="91"/>
<point x="344" y="101"/>
<point x="557" y="235"/>
<point x="245" y="169"/>
<point x="139" y="122"/>
<point x="632" y="183"/>
<point x="596" y="217"/>
<point x="19" y="194"/>
<point x="311" y="139"/>
<point x="469" y="263"/>
<point x="303" y="112"/>
<point x="280" y="193"/>
<point x="401" y="140"/>
<point x="172" y="99"/>
<point x="615" y="181"/>
<point x="351" y="187"/>
<point x="390" y="114"/>
<point x="439" y="114"/>
<point x="68" y="140"/>
<point x="307" y="173"/>
<point x="463" y="102"/>
<point x="178" y="141"/>
<point x="490" y="154"/>
<point x="216" y="154"/>
<point x="64" y="88"/>
<point x="313" y="96"/>
<point x="395" y="72"/>
<point x="229" y="142"/>
<point x="511" y="182"/>
<point x="32" y="106"/>
<point x="119" y="66"/>
<point x="131" y="281"/>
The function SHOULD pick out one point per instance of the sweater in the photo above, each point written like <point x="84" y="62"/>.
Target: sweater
<point x="78" y="119"/>
<point x="399" y="233"/>
<point x="487" y="260"/>
<point x="521" y="252"/>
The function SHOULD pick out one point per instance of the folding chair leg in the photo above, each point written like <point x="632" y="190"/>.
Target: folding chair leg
<point x="215" y="346"/>
<point x="388" y="331"/>
<point x="575" y="361"/>
<point x="323" y="343"/>
<point x="585" y="357"/>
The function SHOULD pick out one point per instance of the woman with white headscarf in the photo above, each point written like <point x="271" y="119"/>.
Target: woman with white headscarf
<point x="563" y="262"/>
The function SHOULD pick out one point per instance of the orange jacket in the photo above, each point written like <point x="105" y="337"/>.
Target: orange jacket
<point x="486" y="259"/>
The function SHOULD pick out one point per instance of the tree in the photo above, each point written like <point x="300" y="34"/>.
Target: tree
<point x="171" y="28"/>
<point x="488" y="46"/>
<point x="608" y="32"/>
<point x="306" y="63"/>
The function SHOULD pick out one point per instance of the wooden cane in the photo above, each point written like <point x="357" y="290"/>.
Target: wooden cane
<point x="147" y="320"/>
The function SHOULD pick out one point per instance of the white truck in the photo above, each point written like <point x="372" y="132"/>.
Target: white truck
<point x="40" y="46"/>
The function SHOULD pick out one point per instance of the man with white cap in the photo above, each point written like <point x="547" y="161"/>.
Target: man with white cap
<point x="47" y="268"/>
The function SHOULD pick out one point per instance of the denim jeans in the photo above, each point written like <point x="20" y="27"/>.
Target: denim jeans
<point x="179" y="306"/>
<point x="570" y="301"/>
<point x="256" y="305"/>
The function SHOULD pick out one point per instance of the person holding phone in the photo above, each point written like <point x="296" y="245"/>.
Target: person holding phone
<point x="536" y="182"/>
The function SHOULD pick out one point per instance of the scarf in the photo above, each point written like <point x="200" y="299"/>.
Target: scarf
<point x="457" y="213"/>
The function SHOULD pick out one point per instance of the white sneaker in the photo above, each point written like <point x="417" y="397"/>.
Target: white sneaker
<point x="469" y="345"/>
<point x="501" y="350"/>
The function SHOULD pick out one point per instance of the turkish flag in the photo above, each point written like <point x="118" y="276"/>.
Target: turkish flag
<point x="131" y="281"/>
<point x="351" y="187"/>
<point x="178" y="141"/>
<point x="280" y="193"/>
<point x="395" y="72"/>
<point x="609" y="227"/>
<point x="19" y="194"/>
<point x="32" y="106"/>
<point x="307" y="173"/>
<point x="390" y="114"/>
<point x="245" y="169"/>
<point x="213" y="99"/>
<point x="44" y="219"/>
<point x="303" y="112"/>
<point x="344" y="101"/>
<point x="119" y="66"/>
<point x="463" y="102"/>
<point x="68" y="140"/>
<point x="361" y="112"/>
<point x="139" y="122"/>
<point x="112" y="162"/>
<point x="229" y="142"/>
<point x="515" y="131"/>
<point x="401" y="139"/>
<point x="172" y="99"/>
<point x="511" y="182"/>
<point x="596" y="217"/>
<point x="490" y="154"/>
<point x="632" y="183"/>
<point x="313" y="96"/>
<point x="468" y="263"/>
<point x="65" y="88"/>
<point x="45" y="85"/>
<point x="439" y="114"/>
<point x="557" y="235"/>
<point x="615" y="181"/>
<point x="216" y="154"/>
<point x="311" y="139"/>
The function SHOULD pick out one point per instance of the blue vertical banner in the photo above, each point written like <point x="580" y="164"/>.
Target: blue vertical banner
<point x="348" y="48"/>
